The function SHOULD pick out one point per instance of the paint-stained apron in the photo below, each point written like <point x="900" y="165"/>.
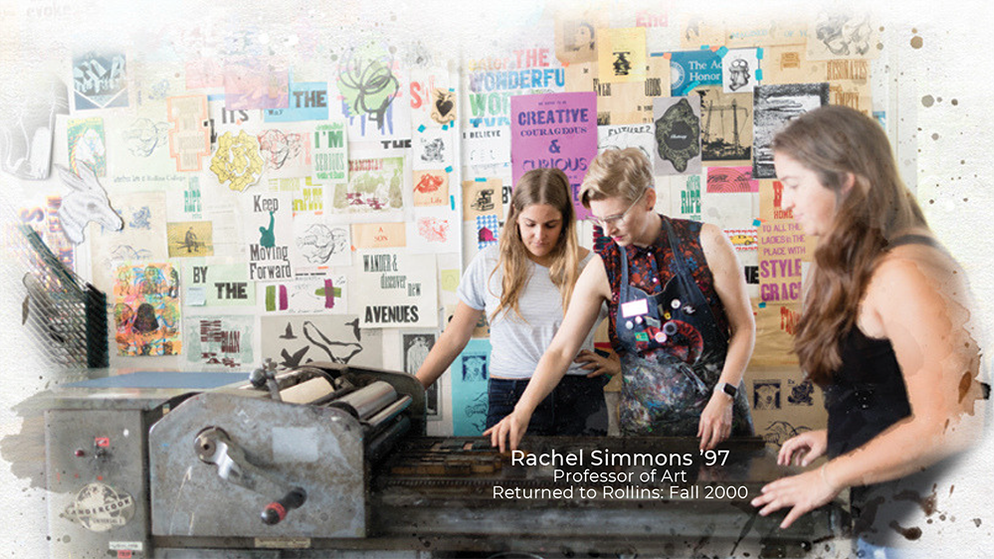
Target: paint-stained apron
<point x="673" y="354"/>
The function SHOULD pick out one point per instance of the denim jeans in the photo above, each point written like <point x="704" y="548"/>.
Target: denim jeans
<point x="575" y="407"/>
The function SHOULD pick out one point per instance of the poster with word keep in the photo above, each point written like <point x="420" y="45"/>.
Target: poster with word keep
<point x="268" y="226"/>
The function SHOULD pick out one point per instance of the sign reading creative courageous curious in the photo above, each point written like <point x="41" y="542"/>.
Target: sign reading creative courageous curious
<point x="555" y="130"/>
<point x="397" y="290"/>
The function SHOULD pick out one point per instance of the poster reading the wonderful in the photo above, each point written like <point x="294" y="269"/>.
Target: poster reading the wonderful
<point x="555" y="130"/>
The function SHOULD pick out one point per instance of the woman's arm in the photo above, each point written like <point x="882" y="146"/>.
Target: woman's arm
<point x="449" y="344"/>
<point x="592" y="288"/>
<point x="919" y="302"/>
<point x="729" y="283"/>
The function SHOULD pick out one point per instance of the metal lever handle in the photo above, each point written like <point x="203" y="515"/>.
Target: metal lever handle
<point x="214" y="447"/>
<point x="276" y="511"/>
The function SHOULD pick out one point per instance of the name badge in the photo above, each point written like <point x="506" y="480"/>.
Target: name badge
<point x="634" y="308"/>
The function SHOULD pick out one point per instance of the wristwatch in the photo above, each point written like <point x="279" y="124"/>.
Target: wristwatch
<point x="726" y="388"/>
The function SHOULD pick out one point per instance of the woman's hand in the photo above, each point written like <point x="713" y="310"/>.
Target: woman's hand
<point x="509" y="430"/>
<point x="804" y="448"/>
<point x="716" y="421"/>
<point x="598" y="365"/>
<point x="802" y="493"/>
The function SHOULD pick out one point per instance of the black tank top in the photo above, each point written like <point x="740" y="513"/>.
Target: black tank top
<point x="867" y="394"/>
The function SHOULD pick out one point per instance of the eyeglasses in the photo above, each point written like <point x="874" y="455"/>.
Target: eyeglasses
<point x="613" y="219"/>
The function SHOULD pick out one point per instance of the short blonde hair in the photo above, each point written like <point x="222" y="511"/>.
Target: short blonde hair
<point x="624" y="173"/>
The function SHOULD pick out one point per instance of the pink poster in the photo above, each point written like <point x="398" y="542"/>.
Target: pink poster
<point x="555" y="130"/>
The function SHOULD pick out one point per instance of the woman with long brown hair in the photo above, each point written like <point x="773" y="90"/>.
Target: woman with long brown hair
<point x="523" y="285"/>
<point x="883" y="329"/>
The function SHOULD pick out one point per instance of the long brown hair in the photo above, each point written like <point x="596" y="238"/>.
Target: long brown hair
<point x="538" y="186"/>
<point x="836" y="142"/>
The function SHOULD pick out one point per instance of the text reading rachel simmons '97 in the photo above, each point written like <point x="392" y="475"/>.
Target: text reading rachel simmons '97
<point x="605" y="457"/>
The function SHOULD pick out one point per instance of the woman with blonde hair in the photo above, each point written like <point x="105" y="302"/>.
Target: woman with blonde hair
<point x="679" y="315"/>
<point x="523" y="285"/>
<point x="883" y="329"/>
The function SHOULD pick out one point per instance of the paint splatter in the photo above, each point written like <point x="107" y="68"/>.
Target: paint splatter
<point x="928" y="101"/>
<point x="911" y="534"/>
<point x="916" y="42"/>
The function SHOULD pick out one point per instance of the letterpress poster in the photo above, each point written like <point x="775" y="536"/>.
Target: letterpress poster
<point x="555" y="130"/>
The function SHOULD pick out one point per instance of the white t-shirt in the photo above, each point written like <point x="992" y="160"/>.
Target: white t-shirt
<point x="517" y="343"/>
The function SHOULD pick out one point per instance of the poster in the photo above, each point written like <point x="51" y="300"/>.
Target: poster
<point x="726" y="126"/>
<point x="287" y="150"/>
<point x="731" y="179"/>
<point x="482" y="196"/>
<point x="319" y="294"/>
<point x="214" y="284"/>
<point x="320" y="244"/>
<point x="431" y="188"/>
<point x="690" y="69"/>
<point x="774" y="106"/>
<point x="297" y="339"/>
<point x="677" y="148"/>
<point x="268" y="228"/>
<point x="306" y="101"/>
<point x="190" y="239"/>
<point x="397" y="290"/>
<point x="470" y="373"/>
<point x="331" y="154"/>
<point x="189" y="134"/>
<point x="740" y="70"/>
<point x="146" y="316"/>
<point x="621" y="55"/>
<point x="433" y="230"/>
<point x="622" y="102"/>
<point x="99" y="80"/>
<point x="621" y="136"/>
<point x="415" y="347"/>
<point x="375" y="186"/>
<point x="219" y="342"/>
<point x="555" y="130"/>
<point x="87" y="145"/>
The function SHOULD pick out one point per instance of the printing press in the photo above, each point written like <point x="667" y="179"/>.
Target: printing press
<point x="301" y="462"/>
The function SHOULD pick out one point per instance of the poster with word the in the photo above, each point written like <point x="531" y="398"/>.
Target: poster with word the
<point x="212" y="284"/>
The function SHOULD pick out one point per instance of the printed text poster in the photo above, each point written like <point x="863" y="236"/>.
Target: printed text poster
<point x="555" y="130"/>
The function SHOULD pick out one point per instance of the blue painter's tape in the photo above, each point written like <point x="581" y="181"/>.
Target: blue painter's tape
<point x="421" y="128"/>
<point x="759" y="54"/>
<point x="722" y="52"/>
<point x="759" y="74"/>
<point x="757" y="222"/>
<point x="762" y="304"/>
<point x="445" y="127"/>
<point x="705" y="47"/>
<point x="657" y="54"/>
<point x="452" y="202"/>
<point x="480" y="179"/>
<point x="448" y="169"/>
